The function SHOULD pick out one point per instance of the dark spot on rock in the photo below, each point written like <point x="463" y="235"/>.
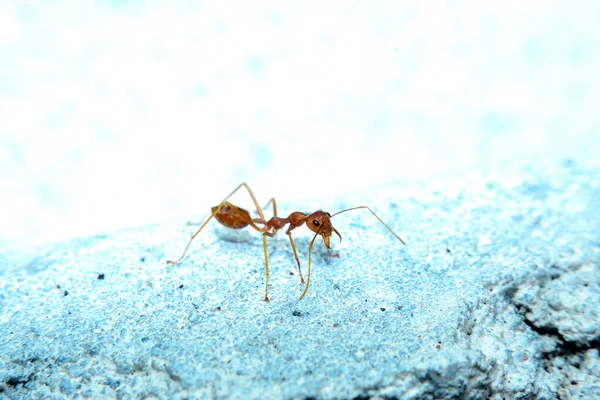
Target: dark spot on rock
<point x="142" y="259"/>
<point x="112" y="383"/>
<point x="218" y="308"/>
<point x="101" y="277"/>
<point x="564" y="347"/>
<point x="58" y="286"/>
<point x="291" y="273"/>
<point x="297" y="313"/>
<point x="180" y="286"/>
<point x="336" y="325"/>
<point x="382" y="308"/>
<point x="448" y="251"/>
<point x="573" y="382"/>
<point x="15" y="381"/>
<point x="65" y="293"/>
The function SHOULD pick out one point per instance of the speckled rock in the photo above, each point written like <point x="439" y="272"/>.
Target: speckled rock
<point x="494" y="296"/>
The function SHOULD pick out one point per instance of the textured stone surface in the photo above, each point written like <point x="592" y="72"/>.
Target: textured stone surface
<point x="495" y="296"/>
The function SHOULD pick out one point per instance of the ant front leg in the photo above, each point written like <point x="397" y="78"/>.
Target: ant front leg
<point x="309" y="254"/>
<point x="296" y="255"/>
<point x="332" y="254"/>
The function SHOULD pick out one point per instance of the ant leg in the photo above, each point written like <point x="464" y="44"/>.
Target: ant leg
<point x="309" y="253"/>
<point x="266" y="267"/>
<point x="197" y="232"/>
<point x="332" y="254"/>
<point x="296" y="255"/>
<point x="249" y="221"/>
<point x="258" y="209"/>
<point x="274" y="206"/>
<point x="265" y="234"/>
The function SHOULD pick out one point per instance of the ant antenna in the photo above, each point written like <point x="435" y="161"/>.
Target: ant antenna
<point x="319" y="232"/>
<point x="384" y="224"/>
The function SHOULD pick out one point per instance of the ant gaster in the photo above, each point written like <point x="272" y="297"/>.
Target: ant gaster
<point x="237" y="218"/>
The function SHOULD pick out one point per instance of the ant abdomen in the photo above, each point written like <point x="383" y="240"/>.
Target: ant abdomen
<point x="232" y="216"/>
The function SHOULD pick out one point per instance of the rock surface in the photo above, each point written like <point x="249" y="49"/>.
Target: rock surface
<point x="495" y="296"/>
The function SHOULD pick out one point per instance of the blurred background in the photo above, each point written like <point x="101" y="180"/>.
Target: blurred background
<point x="123" y="113"/>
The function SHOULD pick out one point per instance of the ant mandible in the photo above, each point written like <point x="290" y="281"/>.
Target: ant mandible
<point x="237" y="218"/>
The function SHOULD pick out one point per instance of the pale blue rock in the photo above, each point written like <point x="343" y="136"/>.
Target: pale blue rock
<point x="495" y="296"/>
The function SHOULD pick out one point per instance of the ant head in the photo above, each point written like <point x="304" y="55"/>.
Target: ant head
<point x="320" y="222"/>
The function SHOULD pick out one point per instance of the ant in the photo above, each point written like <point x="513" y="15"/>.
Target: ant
<point x="237" y="218"/>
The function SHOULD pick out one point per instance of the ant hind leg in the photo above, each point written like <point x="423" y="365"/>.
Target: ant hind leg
<point x="197" y="232"/>
<point x="216" y="211"/>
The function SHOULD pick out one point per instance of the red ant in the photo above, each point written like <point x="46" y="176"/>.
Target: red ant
<point x="237" y="218"/>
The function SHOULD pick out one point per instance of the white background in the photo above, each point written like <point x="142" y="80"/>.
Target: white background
<point x="119" y="113"/>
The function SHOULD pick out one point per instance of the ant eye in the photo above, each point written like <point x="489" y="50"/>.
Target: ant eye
<point x="315" y="222"/>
